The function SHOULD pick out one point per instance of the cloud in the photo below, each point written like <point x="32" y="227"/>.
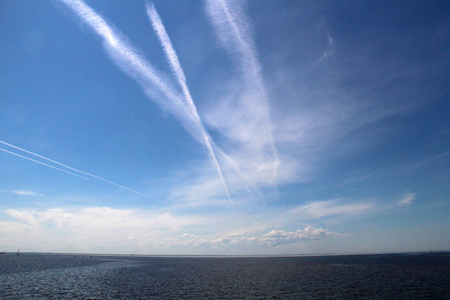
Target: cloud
<point x="92" y="229"/>
<point x="324" y="209"/>
<point x="242" y="115"/>
<point x="107" y="230"/>
<point x="99" y="218"/>
<point x="255" y="146"/>
<point x="279" y="237"/>
<point x="233" y="31"/>
<point x="429" y="162"/>
<point x="27" y="193"/>
<point x="328" y="51"/>
<point x="407" y="199"/>
<point x="196" y="185"/>
<point x="274" y="238"/>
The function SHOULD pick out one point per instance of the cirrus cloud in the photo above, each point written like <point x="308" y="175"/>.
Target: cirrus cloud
<point x="407" y="199"/>
<point x="323" y="209"/>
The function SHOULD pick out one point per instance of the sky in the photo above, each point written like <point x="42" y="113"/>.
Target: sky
<point x="224" y="127"/>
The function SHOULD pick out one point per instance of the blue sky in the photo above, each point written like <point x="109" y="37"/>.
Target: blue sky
<point x="224" y="127"/>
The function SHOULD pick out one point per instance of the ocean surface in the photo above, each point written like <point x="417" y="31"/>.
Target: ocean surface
<point x="390" y="276"/>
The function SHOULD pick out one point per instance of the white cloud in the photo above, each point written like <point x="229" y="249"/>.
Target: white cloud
<point x="323" y="209"/>
<point x="107" y="230"/>
<point x="278" y="237"/>
<point x="407" y="199"/>
<point x="22" y="193"/>
<point x="27" y="193"/>
<point x="104" y="218"/>
<point x="242" y="114"/>
<point x="94" y="229"/>
<point x="274" y="238"/>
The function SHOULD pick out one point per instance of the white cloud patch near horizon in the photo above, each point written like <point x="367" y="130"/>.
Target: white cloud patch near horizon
<point x="93" y="229"/>
<point x="274" y="238"/>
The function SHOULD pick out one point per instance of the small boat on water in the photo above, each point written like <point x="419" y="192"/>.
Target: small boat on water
<point x="18" y="252"/>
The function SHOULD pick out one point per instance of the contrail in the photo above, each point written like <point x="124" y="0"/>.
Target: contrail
<point x="125" y="56"/>
<point x="232" y="30"/>
<point x="177" y="70"/>
<point x="132" y="63"/>
<point x="43" y="157"/>
<point x="172" y="57"/>
<point x="70" y="168"/>
<point x="137" y="67"/>
<point x="41" y="163"/>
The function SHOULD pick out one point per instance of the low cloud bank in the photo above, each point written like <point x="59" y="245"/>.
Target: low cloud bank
<point x="107" y="230"/>
<point x="274" y="238"/>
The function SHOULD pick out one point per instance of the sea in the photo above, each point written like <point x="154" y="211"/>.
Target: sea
<point x="75" y="276"/>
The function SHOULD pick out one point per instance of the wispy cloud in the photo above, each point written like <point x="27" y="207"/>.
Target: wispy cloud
<point x="233" y="31"/>
<point x="330" y="208"/>
<point x="328" y="51"/>
<point x="197" y="186"/>
<point x="113" y="228"/>
<point x="22" y="193"/>
<point x="70" y="168"/>
<point x="27" y="193"/>
<point x="247" y="112"/>
<point x="428" y="162"/>
<point x="407" y="199"/>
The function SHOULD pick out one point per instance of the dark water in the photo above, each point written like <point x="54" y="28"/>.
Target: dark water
<point x="422" y="276"/>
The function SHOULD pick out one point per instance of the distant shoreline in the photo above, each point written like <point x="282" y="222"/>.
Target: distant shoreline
<point x="231" y="256"/>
